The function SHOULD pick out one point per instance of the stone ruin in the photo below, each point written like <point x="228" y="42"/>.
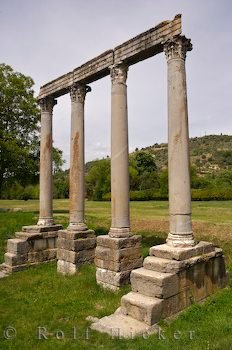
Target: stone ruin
<point x="175" y="274"/>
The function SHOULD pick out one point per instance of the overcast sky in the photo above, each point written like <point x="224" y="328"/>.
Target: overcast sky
<point x="47" y="38"/>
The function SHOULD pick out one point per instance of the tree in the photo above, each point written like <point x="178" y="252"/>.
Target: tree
<point x="147" y="170"/>
<point x="145" y="162"/>
<point x="98" y="179"/>
<point x="58" y="161"/>
<point x="19" y="117"/>
<point x="19" y="130"/>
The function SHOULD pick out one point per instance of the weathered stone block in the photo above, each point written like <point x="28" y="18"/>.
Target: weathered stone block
<point x="29" y="236"/>
<point x="39" y="244"/>
<point x="163" y="265"/>
<point x="40" y="229"/>
<point x="167" y="252"/>
<point x="77" y="244"/>
<point x="118" y="255"/>
<point x="220" y="276"/>
<point x="51" y="243"/>
<point x="119" y="243"/>
<point x="66" y="268"/>
<point x="142" y="308"/>
<point x="111" y="277"/>
<point x="50" y="234"/>
<point x="176" y="303"/>
<point x="76" y="235"/>
<point x="16" y="268"/>
<point x="41" y="256"/>
<point x="154" y="284"/>
<point x="119" y="266"/>
<point x="75" y="257"/>
<point x="17" y="246"/>
<point x="12" y="259"/>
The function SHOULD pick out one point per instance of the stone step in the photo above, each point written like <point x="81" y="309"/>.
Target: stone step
<point x="122" y="326"/>
<point x="142" y="308"/>
<point x="153" y="283"/>
<point x="163" y="265"/>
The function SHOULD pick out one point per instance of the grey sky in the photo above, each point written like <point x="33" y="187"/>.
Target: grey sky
<point x="47" y="38"/>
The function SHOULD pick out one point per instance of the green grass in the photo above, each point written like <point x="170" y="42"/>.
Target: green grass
<point x="39" y="297"/>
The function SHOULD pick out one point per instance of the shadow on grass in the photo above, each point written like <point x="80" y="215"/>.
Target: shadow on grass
<point x="101" y="231"/>
<point x="61" y="211"/>
<point x="152" y="240"/>
<point x="149" y="241"/>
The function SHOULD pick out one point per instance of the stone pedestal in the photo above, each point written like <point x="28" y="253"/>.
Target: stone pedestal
<point x="32" y="246"/>
<point x="170" y="280"/>
<point x="115" y="258"/>
<point x="74" y="249"/>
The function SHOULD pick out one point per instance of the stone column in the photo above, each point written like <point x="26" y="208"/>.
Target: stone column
<point x="181" y="234"/>
<point x="46" y="193"/>
<point x="120" y="226"/>
<point x="77" y="159"/>
<point x="119" y="252"/>
<point x="76" y="245"/>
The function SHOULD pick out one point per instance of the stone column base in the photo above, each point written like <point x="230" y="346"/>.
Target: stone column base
<point x="115" y="258"/>
<point x="170" y="280"/>
<point x="74" y="249"/>
<point x="33" y="245"/>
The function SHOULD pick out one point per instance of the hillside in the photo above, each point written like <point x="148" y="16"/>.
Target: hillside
<point x="208" y="154"/>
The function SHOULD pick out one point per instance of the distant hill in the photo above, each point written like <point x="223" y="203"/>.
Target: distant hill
<point x="208" y="154"/>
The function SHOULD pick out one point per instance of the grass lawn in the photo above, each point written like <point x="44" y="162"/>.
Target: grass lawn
<point x="39" y="297"/>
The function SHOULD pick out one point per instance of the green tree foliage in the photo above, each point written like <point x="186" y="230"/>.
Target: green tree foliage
<point x="61" y="184"/>
<point x="19" y="136"/>
<point x="98" y="179"/>
<point x="58" y="160"/>
<point x="144" y="164"/>
<point x="19" y="118"/>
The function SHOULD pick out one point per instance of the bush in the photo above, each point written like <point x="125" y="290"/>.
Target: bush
<point x="211" y="194"/>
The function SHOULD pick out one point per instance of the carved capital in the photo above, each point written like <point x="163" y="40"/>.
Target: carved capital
<point x="78" y="92"/>
<point x="177" y="47"/>
<point x="118" y="73"/>
<point x="46" y="104"/>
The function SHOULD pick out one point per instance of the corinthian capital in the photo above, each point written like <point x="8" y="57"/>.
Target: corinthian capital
<point x="78" y="92"/>
<point x="118" y="73"/>
<point x="46" y="104"/>
<point x="177" y="47"/>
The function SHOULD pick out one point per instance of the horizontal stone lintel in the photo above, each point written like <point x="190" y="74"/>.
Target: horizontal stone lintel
<point x="141" y="47"/>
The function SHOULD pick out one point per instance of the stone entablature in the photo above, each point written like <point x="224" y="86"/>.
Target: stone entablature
<point x="137" y="49"/>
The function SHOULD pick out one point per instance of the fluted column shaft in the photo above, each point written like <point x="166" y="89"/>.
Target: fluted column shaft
<point x="46" y="192"/>
<point x="77" y="159"/>
<point x="120" y="226"/>
<point x="180" y="234"/>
